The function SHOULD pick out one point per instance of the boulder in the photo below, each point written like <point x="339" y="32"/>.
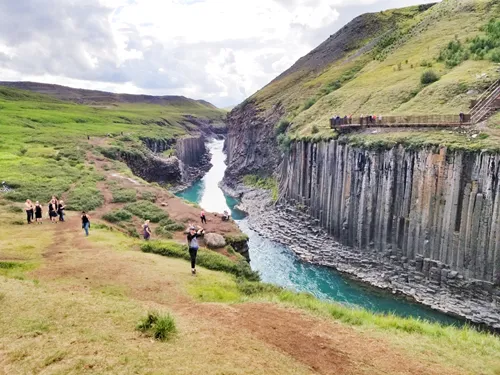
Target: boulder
<point x="214" y="241"/>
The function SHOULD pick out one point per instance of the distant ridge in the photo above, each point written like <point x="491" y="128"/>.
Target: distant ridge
<point x="83" y="96"/>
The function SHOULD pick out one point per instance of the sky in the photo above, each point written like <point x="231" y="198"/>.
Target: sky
<point x="218" y="50"/>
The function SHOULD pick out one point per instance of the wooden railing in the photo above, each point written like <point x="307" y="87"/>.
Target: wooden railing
<point x="401" y="121"/>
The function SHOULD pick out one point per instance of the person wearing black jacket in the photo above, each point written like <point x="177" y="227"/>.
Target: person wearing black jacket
<point x="192" y="239"/>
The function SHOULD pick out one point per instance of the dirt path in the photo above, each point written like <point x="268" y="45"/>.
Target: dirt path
<point x="323" y="346"/>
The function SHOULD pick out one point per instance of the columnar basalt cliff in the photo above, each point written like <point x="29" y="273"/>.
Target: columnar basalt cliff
<point x="436" y="210"/>
<point x="251" y="143"/>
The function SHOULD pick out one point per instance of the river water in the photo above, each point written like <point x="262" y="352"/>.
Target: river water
<point x="278" y="265"/>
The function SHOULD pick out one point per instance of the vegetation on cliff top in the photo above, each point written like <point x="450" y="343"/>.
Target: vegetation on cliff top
<point x="389" y="63"/>
<point x="44" y="141"/>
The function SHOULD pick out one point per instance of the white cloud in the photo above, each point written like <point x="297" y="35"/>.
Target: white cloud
<point x="219" y="50"/>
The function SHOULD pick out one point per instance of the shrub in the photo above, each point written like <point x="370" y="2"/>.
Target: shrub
<point x="206" y="258"/>
<point x="148" y="196"/>
<point x="314" y="129"/>
<point x="428" y="77"/>
<point x="14" y="209"/>
<point x="84" y="198"/>
<point x="147" y="211"/>
<point x="124" y="195"/>
<point x="117" y="216"/>
<point x="281" y="127"/>
<point x="160" y="327"/>
<point x="309" y="103"/>
<point x="284" y="142"/>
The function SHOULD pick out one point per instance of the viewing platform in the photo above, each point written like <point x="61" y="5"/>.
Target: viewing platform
<point x="345" y="124"/>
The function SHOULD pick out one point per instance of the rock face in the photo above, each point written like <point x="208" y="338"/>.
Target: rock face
<point x="214" y="240"/>
<point x="427" y="281"/>
<point x="191" y="162"/>
<point x="420" y="204"/>
<point x="250" y="145"/>
<point x="153" y="168"/>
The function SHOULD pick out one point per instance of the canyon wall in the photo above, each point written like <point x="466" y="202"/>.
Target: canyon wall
<point x="435" y="210"/>
<point x="251" y="142"/>
<point x="191" y="150"/>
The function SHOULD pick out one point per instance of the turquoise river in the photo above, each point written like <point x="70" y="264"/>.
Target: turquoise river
<point x="279" y="265"/>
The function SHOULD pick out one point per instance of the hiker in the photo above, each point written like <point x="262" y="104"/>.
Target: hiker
<point x="225" y="216"/>
<point x="203" y="217"/>
<point x="345" y="120"/>
<point x="462" y="116"/>
<point x="38" y="212"/>
<point x="380" y="119"/>
<point x="146" y="230"/>
<point x="60" y="210"/>
<point x="361" y="119"/>
<point x="28" y="207"/>
<point x="85" y="223"/>
<point x="88" y="137"/>
<point x="192" y="239"/>
<point x="53" y="209"/>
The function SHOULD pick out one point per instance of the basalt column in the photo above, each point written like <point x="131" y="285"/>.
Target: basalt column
<point x="431" y="204"/>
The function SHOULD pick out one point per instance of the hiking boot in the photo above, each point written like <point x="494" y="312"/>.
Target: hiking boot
<point x="193" y="272"/>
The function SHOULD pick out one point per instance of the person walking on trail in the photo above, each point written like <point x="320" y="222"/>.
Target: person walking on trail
<point x="203" y="217"/>
<point x="85" y="223"/>
<point x="28" y="207"/>
<point x="146" y="230"/>
<point x="38" y="212"/>
<point x="192" y="239"/>
<point x="60" y="210"/>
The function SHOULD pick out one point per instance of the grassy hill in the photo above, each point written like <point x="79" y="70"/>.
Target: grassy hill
<point x="374" y="65"/>
<point x="43" y="141"/>
<point x="95" y="97"/>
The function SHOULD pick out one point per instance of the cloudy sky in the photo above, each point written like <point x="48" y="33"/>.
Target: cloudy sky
<point x="218" y="50"/>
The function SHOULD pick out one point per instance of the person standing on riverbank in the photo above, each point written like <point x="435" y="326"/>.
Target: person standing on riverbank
<point x="85" y="223"/>
<point x="203" y="217"/>
<point x="192" y="239"/>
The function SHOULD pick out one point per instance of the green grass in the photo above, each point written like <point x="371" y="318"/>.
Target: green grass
<point x="160" y="327"/>
<point x="147" y="210"/>
<point x="267" y="183"/>
<point x="387" y="79"/>
<point x="121" y="195"/>
<point x="43" y="141"/>
<point x="206" y="258"/>
<point x="452" y="344"/>
<point x="117" y="216"/>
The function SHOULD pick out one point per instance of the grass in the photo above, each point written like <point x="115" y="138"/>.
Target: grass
<point x="160" y="327"/>
<point x="117" y="216"/>
<point x="266" y="183"/>
<point x="206" y="258"/>
<point x="450" y="344"/>
<point x="43" y="141"/>
<point x="147" y="211"/>
<point x="121" y="195"/>
<point x="387" y="79"/>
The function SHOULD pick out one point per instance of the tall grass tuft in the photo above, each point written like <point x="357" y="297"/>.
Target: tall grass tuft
<point x="160" y="327"/>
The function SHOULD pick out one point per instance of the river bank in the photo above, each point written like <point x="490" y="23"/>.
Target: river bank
<point x="287" y="225"/>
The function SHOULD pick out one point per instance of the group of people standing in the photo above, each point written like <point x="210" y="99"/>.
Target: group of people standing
<point x="363" y="120"/>
<point x="34" y="212"/>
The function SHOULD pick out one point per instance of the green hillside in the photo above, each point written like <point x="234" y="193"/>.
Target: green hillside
<point x="374" y="65"/>
<point x="43" y="141"/>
